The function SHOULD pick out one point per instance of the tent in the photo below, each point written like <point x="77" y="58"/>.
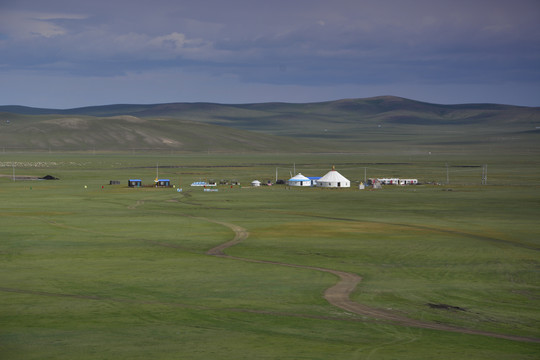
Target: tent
<point x="299" y="180"/>
<point x="255" y="183"/>
<point x="333" y="179"/>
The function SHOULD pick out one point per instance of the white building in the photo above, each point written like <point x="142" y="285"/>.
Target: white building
<point x="389" y="181"/>
<point x="333" y="179"/>
<point x="299" y="180"/>
<point x="255" y="183"/>
<point x="393" y="181"/>
<point x="408" y="181"/>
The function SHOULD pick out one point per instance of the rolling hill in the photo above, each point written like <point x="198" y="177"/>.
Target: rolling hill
<point x="130" y="133"/>
<point x="383" y="123"/>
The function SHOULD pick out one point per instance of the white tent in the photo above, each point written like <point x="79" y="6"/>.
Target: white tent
<point x="333" y="179"/>
<point x="299" y="180"/>
<point x="255" y="183"/>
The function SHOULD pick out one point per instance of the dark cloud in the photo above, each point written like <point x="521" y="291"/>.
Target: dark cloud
<point x="294" y="43"/>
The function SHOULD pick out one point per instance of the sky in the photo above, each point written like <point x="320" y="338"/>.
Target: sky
<point x="72" y="53"/>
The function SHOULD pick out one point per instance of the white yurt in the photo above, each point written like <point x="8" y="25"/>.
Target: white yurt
<point x="256" y="183"/>
<point x="299" y="180"/>
<point x="333" y="179"/>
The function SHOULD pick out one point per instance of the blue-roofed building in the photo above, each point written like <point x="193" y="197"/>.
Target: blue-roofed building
<point x="313" y="180"/>
<point x="163" y="182"/>
<point x="299" y="180"/>
<point x="134" y="183"/>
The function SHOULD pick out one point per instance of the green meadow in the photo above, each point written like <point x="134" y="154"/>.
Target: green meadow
<point x="97" y="271"/>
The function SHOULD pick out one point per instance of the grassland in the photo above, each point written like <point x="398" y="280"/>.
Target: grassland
<point x="91" y="270"/>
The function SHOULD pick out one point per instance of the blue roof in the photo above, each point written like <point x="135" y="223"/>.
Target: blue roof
<point x="300" y="180"/>
<point x="134" y="180"/>
<point x="314" y="177"/>
<point x="164" y="180"/>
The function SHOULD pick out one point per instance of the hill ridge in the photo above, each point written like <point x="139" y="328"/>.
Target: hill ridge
<point x="133" y="107"/>
<point x="362" y="124"/>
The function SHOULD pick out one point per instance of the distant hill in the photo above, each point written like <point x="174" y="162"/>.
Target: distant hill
<point x="130" y="133"/>
<point x="378" y="123"/>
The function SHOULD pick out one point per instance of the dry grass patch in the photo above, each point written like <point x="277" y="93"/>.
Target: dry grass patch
<point x="339" y="229"/>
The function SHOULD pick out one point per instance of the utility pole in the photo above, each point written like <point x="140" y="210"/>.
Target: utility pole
<point x="365" y="175"/>
<point x="483" y="173"/>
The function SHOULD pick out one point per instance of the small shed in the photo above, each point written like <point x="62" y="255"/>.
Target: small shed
<point x="163" y="183"/>
<point x="134" y="183"/>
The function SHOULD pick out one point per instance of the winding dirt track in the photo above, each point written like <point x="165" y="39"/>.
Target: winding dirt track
<point x="339" y="294"/>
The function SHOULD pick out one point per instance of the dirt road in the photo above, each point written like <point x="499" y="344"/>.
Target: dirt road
<point x="339" y="294"/>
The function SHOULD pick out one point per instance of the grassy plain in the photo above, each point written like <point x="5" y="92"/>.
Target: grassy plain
<point x="91" y="270"/>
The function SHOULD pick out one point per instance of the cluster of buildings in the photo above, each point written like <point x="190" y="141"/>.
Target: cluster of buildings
<point x="393" y="181"/>
<point x="157" y="183"/>
<point x="332" y="179"/>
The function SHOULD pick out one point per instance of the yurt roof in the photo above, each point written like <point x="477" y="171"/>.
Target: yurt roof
<point x="299" y="177"/>
<point x="333" y="176"/>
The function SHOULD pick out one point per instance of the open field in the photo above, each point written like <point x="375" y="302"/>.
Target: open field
<point x="91" y="270"/>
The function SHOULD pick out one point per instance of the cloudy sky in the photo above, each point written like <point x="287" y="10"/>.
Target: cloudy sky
<point x="71" y="53"/>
